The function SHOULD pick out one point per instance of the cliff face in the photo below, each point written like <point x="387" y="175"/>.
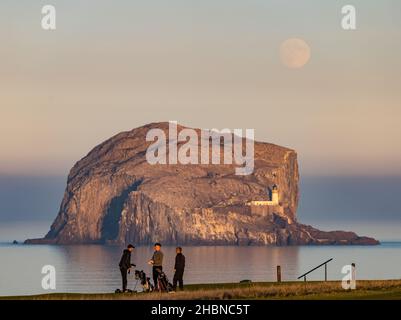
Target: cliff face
<point x="114" y="195"/>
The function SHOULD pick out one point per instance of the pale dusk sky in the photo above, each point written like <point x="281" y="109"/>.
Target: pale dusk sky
<point x="115" y="65"/>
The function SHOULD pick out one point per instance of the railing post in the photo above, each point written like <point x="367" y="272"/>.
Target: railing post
<point x="320" y="265"/>
<point x="278" y="273"/>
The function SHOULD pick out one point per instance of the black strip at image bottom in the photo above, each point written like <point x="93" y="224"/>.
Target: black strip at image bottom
<point x="190" y="309"/>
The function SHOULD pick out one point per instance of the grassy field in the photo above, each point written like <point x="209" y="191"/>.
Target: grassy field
<point x="383" y="289"/>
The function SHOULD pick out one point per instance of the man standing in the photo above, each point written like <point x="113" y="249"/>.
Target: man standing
<point x="125" y="265"/>
<point x="157" y="263"/>
<point x="179" y="269"/>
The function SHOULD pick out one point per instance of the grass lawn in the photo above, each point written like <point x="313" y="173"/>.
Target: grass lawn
<point x="313" y="290"/>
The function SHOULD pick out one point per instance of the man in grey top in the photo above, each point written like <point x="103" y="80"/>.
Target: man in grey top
<point x="157" y="263"/>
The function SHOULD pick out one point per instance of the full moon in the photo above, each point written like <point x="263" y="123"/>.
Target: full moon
<point x="295" y="53"/>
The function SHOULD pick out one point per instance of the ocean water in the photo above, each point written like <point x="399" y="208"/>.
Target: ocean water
<point x="94" y="268"/>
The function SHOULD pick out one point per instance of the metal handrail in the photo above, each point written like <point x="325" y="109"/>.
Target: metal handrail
<point x="325" y="270"/>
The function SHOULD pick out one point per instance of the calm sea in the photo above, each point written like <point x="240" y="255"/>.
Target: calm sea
<point x="94" y="268"/>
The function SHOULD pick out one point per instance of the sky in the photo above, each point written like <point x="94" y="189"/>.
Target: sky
<point x="112" y="66"/>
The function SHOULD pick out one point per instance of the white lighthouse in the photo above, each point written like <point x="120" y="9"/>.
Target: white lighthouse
<point x="275" y="198"/>
<point x="274" y="201"/>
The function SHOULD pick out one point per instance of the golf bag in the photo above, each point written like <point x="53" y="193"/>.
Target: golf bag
<point x="145" y="281"/>
<point x="164" y="284"/>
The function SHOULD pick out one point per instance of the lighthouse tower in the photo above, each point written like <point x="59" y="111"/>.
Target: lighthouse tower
<point x="275" y="199"/>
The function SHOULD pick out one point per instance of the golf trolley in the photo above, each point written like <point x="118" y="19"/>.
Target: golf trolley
<point x="140" y="276"/>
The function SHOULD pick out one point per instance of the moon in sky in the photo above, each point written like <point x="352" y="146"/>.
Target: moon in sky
<point x="295" y="53"/>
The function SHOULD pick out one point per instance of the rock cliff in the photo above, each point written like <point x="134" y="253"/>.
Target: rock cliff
<point x="114" y="195"/>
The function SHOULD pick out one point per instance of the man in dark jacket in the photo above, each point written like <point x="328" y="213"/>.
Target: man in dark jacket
<point x="157" y="263"/>
<point x="125" y="265"/>
<point x="179" y="269"/>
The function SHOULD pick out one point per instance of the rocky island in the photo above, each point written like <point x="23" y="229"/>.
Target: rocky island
<point x="115" y="196"/>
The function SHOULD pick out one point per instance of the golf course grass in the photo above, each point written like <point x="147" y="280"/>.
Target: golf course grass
<point x="312" y="290"/>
